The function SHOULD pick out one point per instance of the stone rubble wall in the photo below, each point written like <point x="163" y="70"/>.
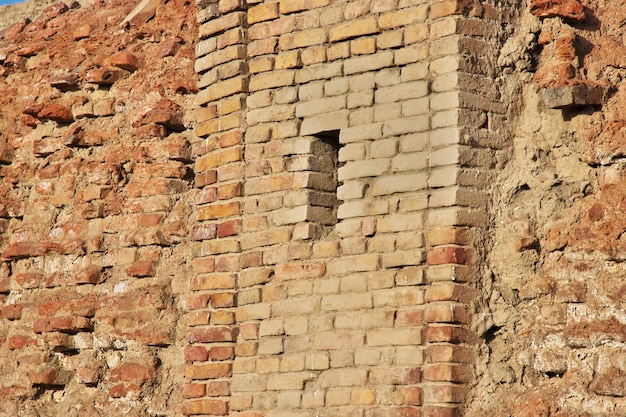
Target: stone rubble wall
<point x="554" y="285"/>
<point x="96" y="196"/>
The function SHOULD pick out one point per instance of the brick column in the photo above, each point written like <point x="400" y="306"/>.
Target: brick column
<point x="219" y="167"/>
<point x="466" y="139"/>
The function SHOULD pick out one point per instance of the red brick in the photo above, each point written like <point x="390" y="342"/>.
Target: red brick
<point x="193" y="390"/>
<point x="213" y="334"/>
<point x="447" y="372"/>
<point x="20" y="250"/>
<point x="452" y="334"/>
<point x="131" y="372"/>
<point x="407" y="396"/>
<point x="229" y="228"/>
<point x="205" y="407"/>
<point x="123" y="390"/>
<point x="448" y="255"/>
<point x="124" y="60"/>
<point x="72" y="324"/>
<point x="19" y="342"/>
<point x="208" y="371"/>
<point x="141" y="269"/>
<point x="203" y="265"/>
<point x="441" y="411"/>
<point x="12" y="312"/>
<point x="196" y="354"/>
<point x="409" y="318"/>
<point x="221" y="353"/>
<point x="206" y="195"/>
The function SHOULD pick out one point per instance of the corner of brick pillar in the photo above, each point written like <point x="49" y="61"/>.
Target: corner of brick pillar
<point x="466" y="143"/>
<point x="210" y="306"/>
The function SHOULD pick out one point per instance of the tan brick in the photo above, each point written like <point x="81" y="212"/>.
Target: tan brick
<point x="319" y="72"/>
<point x="403" y="17"/>
<point x="399" y="297"/>
<point x="323" y="105"/>
<point x="288" y="381"/>
<point x="399" y="183"/>
<point x="248" y="383"/>
<point x="289" y="59"/>
<point x="302" y="39"/>
<point x="391" y="337"/>
<point x="222" y="89"/>
<point x="314" y="55"/>
<point x="345" y="302"/>
<point x="366" y="63"/>
<point x="349" y="264"/>
<point x="400" y="222"/>
<point x="253" y="312"/>
<point x="404" y="91"/>
<point x="293" y="6"/>
<point x="277" y="27"/>
<point x="262" y="47"/>
<point x="271" y="80"/>
<point x="353" y="29"/>
<point x="325" y="122"/>
<point x="218" y="57"/>
<point x="363" y="169"/>
<point x="343" y="378"/>
<point x="263" y="12"/>
<point x="221" y="24"/>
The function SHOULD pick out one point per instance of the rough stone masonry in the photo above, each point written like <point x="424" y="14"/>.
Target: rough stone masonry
<point x="313" y="208"/>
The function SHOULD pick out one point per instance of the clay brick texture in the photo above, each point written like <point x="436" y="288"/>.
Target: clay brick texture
<point x="312" y="208"/>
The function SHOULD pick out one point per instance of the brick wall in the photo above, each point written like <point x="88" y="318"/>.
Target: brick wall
<point x="325" y="284"/>
<point x="373" y="208"/>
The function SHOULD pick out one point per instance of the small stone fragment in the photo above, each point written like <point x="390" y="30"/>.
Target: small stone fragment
<point x="56" y="112"/>
<point x="570" y="10"/>
<point x="102" y="76"/>
<point x="570" y="96"/>
<point x="169" y="47"/>
<point x="124" y="60"/>
<point x="81" y="32"/>
<point x="65" y="82"/>
<point x="165" y="113"/>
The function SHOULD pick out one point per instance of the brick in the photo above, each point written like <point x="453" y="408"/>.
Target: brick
<point x="403" y="17"/>
<point x="343" y="378"/>
<point x="449" y="254"/>
<point x="221" y="56"/>
<point x="367" y="63"/>
<point x="447" y="372"/>
<point x="210" y="335"/>
<point x="353" y="29"/>
<point x="394" y="337"/>
<point x="205" y="407"/>
<point x="218" y="210"/>
<point x="302" y="39"/>
<point x="222" y="89"/>
<point x="221" y="24"/>
<point x="293" y="6"/>
<point x="263" y="12"/>
<point x="400" y="183"/>
<point x="272" y="80"/>
<point x="193" y="390"/>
